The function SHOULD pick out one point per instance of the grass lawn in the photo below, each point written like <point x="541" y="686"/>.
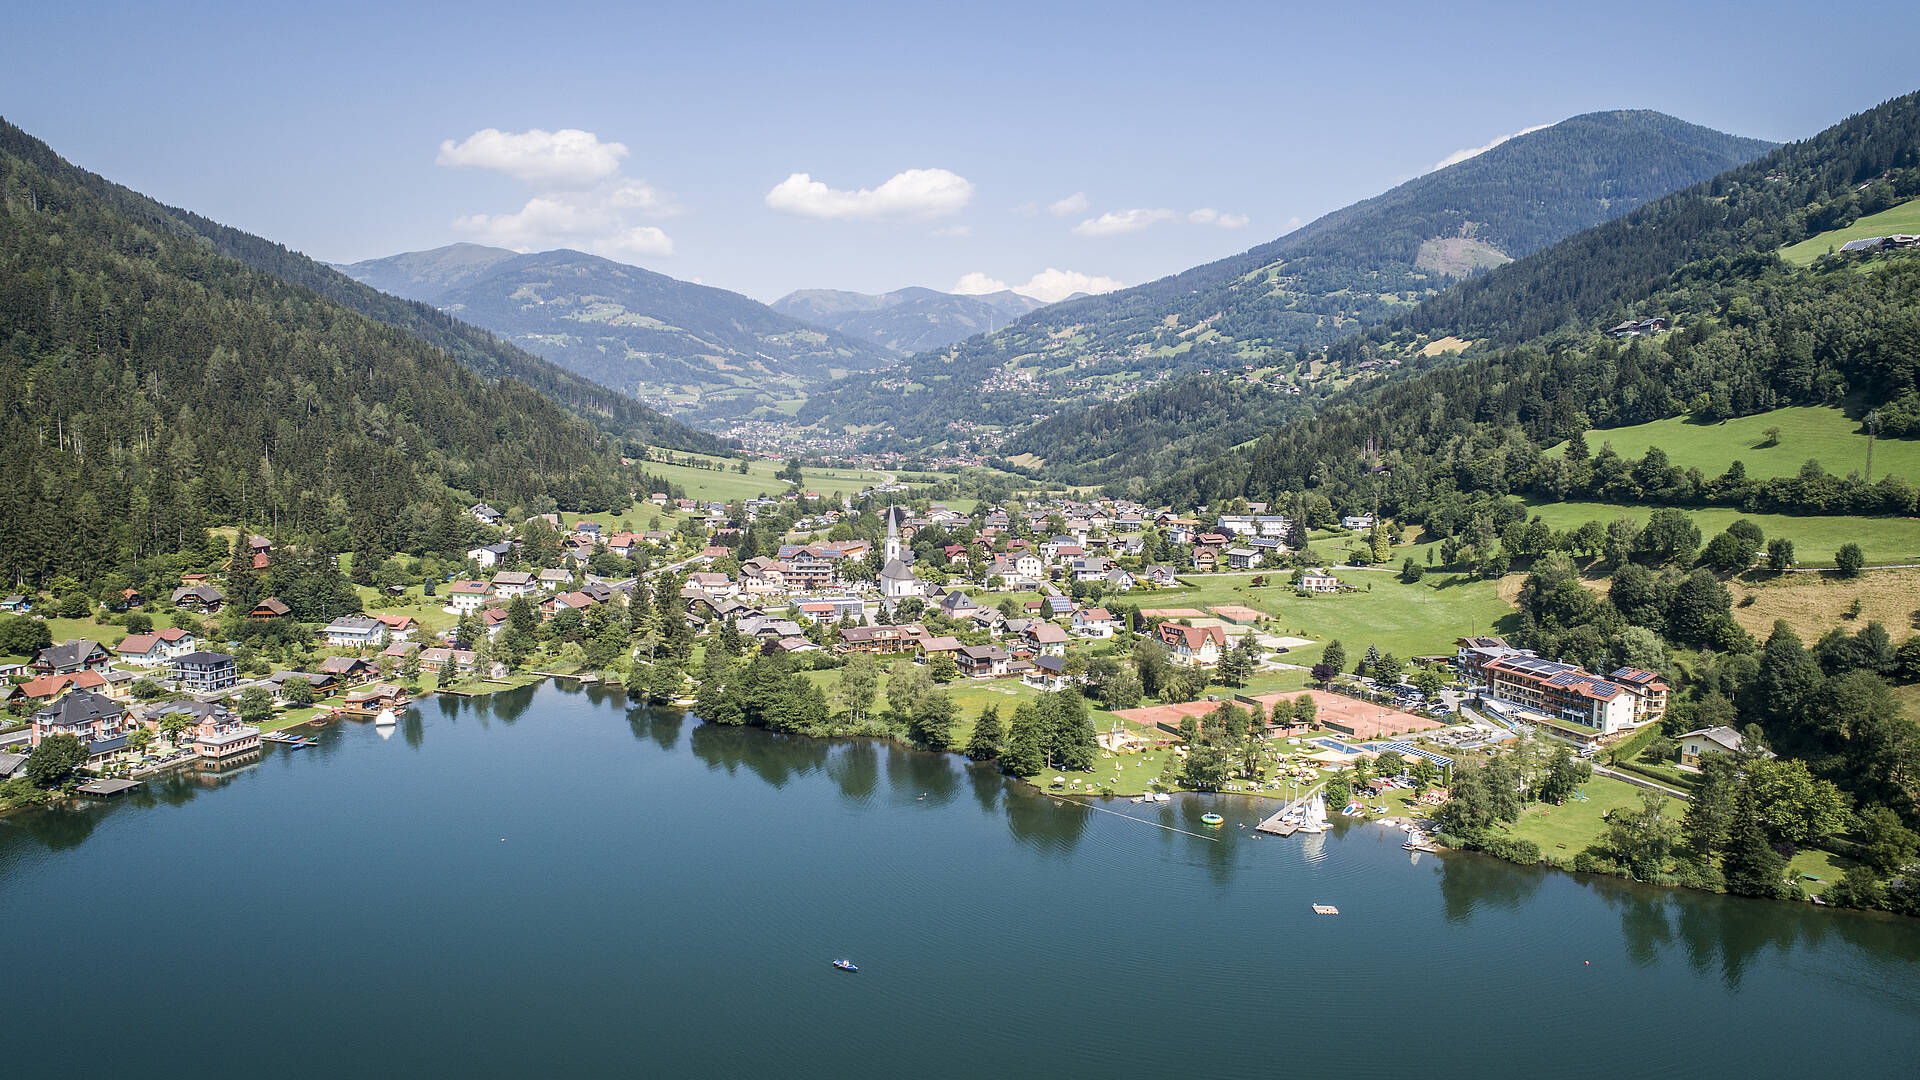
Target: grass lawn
<point x="1815" y="539"/>
<point x="1825" y="435"/>
<point x="1564" y="831"/>
<point x="109" y="636"/>
<point x="1406" y="620"/>
<point x="1904" y="218"/>
<point x="729" y="485"/>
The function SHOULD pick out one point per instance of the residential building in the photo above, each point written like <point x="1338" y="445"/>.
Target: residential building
<point x="355" y="632"/>
<point x="1357" y="521"/>
<point x="199" y="598"/>
<point x="270" y="608"/>
<point x="485" y="515"/>
<point x="205" y="672"/>
<point x="1045" y="638"/>
<point x="1093" y="622"/>
<point x="1319" y="581"/>
<point x="69" y="657"/>
<point x="490" y="556"/>
<point x="156" y="648"/>
<point x="98" y="722"/>
<point x="1713" y="740"/>
<point x="466" y="597"/>
<point x="1193" y="646"/>
<point x="982" y="661"/>
<point x="508" y="584"/>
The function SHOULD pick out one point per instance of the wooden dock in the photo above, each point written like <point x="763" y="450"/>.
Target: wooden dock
<point x="1275" y="824"/>
<point x="108" y="787"/>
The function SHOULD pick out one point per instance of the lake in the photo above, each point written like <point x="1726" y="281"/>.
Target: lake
<point x="552" y="881"/>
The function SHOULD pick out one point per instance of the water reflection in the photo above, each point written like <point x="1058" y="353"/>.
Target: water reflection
<point x="777" y="759"/>
<point x="916" y="776"/>
<point x="1469" y="881"/>
<point x="855" y="771"/>
<point x="511" y="705"/>
<point x="449" y="705"/>
<point x="1050" y="826"/>
<point x="988" y="784"/>
<point x="412" y="727"/>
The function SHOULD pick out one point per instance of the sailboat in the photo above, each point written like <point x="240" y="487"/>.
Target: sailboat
<point x="1314" y="818"/>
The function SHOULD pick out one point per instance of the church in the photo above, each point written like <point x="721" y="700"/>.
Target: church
<point x="896" y="577"/>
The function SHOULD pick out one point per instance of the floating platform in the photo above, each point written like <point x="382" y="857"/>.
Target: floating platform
<point x="1325" y="909"/>
<point x="108" y="787"/>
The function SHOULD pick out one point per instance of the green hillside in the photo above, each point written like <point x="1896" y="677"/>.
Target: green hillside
<point x="1815" y="537"/>
<point x="155" y="389"/>
<point x="708" y="353"/>
<point x="1904" y="218"/>
<point x="1349" y="270"/>
<point x="1818" y="433"/>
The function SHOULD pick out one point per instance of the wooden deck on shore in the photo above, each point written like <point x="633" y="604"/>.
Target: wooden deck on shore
<point x="1274" y="824"/>
<point x="108" y="787"/>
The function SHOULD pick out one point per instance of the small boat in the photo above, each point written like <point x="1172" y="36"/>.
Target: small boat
<point x="1212" y="820"/>
<point x="846" y="965"/>
<point x="1161" y="796"/>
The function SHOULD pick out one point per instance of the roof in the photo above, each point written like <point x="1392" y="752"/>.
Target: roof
<point x="67" y="653"/>
<point x="273" y="604"/>
<point x="1046" y="633"/>
<point x="203" y="658"/>
<point x="79" y="707"/>
<point x="468" y="588"/>
<point x="1720" y="735"/>
<point x="895" y="570"/>
<point x="136" y="644"/>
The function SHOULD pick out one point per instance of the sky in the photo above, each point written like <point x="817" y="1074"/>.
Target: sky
<point x="767" y="147"/>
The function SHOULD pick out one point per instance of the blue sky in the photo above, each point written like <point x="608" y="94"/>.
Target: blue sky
<point x="989" y="143"/>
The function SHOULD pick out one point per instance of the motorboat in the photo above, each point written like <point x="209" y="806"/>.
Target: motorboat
<point x="846" y="965"/>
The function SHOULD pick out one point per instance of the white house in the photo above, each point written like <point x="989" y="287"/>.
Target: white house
<point x="355" y="632"/>
<point x="1319" y="581"/>
<point x="466" y="597"/>
<point x="1357" y="521"/>
<point x="1094" y="622"/>
<point x="1713" y="740"/>
<point x="490" y="556"/>
<point x="508" y="584"/>
<point x="157" y="648"/>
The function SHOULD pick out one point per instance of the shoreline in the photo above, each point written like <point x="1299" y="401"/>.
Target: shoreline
<point x="1084" y="798"/>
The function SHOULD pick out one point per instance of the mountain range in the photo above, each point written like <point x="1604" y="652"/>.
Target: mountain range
<point x="707" y="354"/>
<point x="1267" y="307"/>
<point x="907" y="320"/>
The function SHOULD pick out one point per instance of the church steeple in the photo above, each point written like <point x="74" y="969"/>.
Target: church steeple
<point x="893" y="537"/>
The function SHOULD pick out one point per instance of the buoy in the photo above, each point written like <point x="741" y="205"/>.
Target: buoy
<point x="1589" y="963"/>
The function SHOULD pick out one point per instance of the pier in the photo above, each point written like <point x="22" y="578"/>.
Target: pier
<point x="1276" y="824"/>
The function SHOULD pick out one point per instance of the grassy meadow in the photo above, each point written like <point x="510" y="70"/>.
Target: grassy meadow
<point x="1815" y="539"/>
<point x="1821" y="434"/>
<point x="1904" y="218"/>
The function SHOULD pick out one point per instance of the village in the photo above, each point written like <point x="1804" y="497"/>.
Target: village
<point x="992" y="605"/>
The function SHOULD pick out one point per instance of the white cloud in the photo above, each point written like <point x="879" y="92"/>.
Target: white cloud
<point x="1121" y="222"/>
<point x="1073" y="204"/>
<point x="588" y="220"/>
<point x="1048" y="285"/>
<point x="1459" y="156"/>
<point x="580" y="201"/>
<point x="1209" y="216"/>
<point x="567" y="158"/>
<point x="953" y="231"/>
<point x="913" y="193"/>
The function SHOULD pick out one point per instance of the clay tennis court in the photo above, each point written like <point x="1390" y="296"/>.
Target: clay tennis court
<point x="1365" y="720"/>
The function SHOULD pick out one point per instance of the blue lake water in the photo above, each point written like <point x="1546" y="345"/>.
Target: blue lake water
<point x="552" y="881"/>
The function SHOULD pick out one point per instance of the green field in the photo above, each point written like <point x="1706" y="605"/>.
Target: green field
<point x="1904" y="218"/>
<point x="1406" y="620"/>
<point x="1815" y="539"/>
<point x="1821" y="434"/>
<point x="727" y="486"/>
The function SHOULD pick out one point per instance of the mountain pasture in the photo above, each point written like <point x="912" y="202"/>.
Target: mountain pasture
<point x="1817" y="433"/>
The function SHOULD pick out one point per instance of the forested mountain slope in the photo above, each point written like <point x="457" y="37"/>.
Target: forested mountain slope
<point x="152" y="388"/>
<point x="1750" y="333"/>
<point x="716" y="354"/>
<point x="1349" y="270"/>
